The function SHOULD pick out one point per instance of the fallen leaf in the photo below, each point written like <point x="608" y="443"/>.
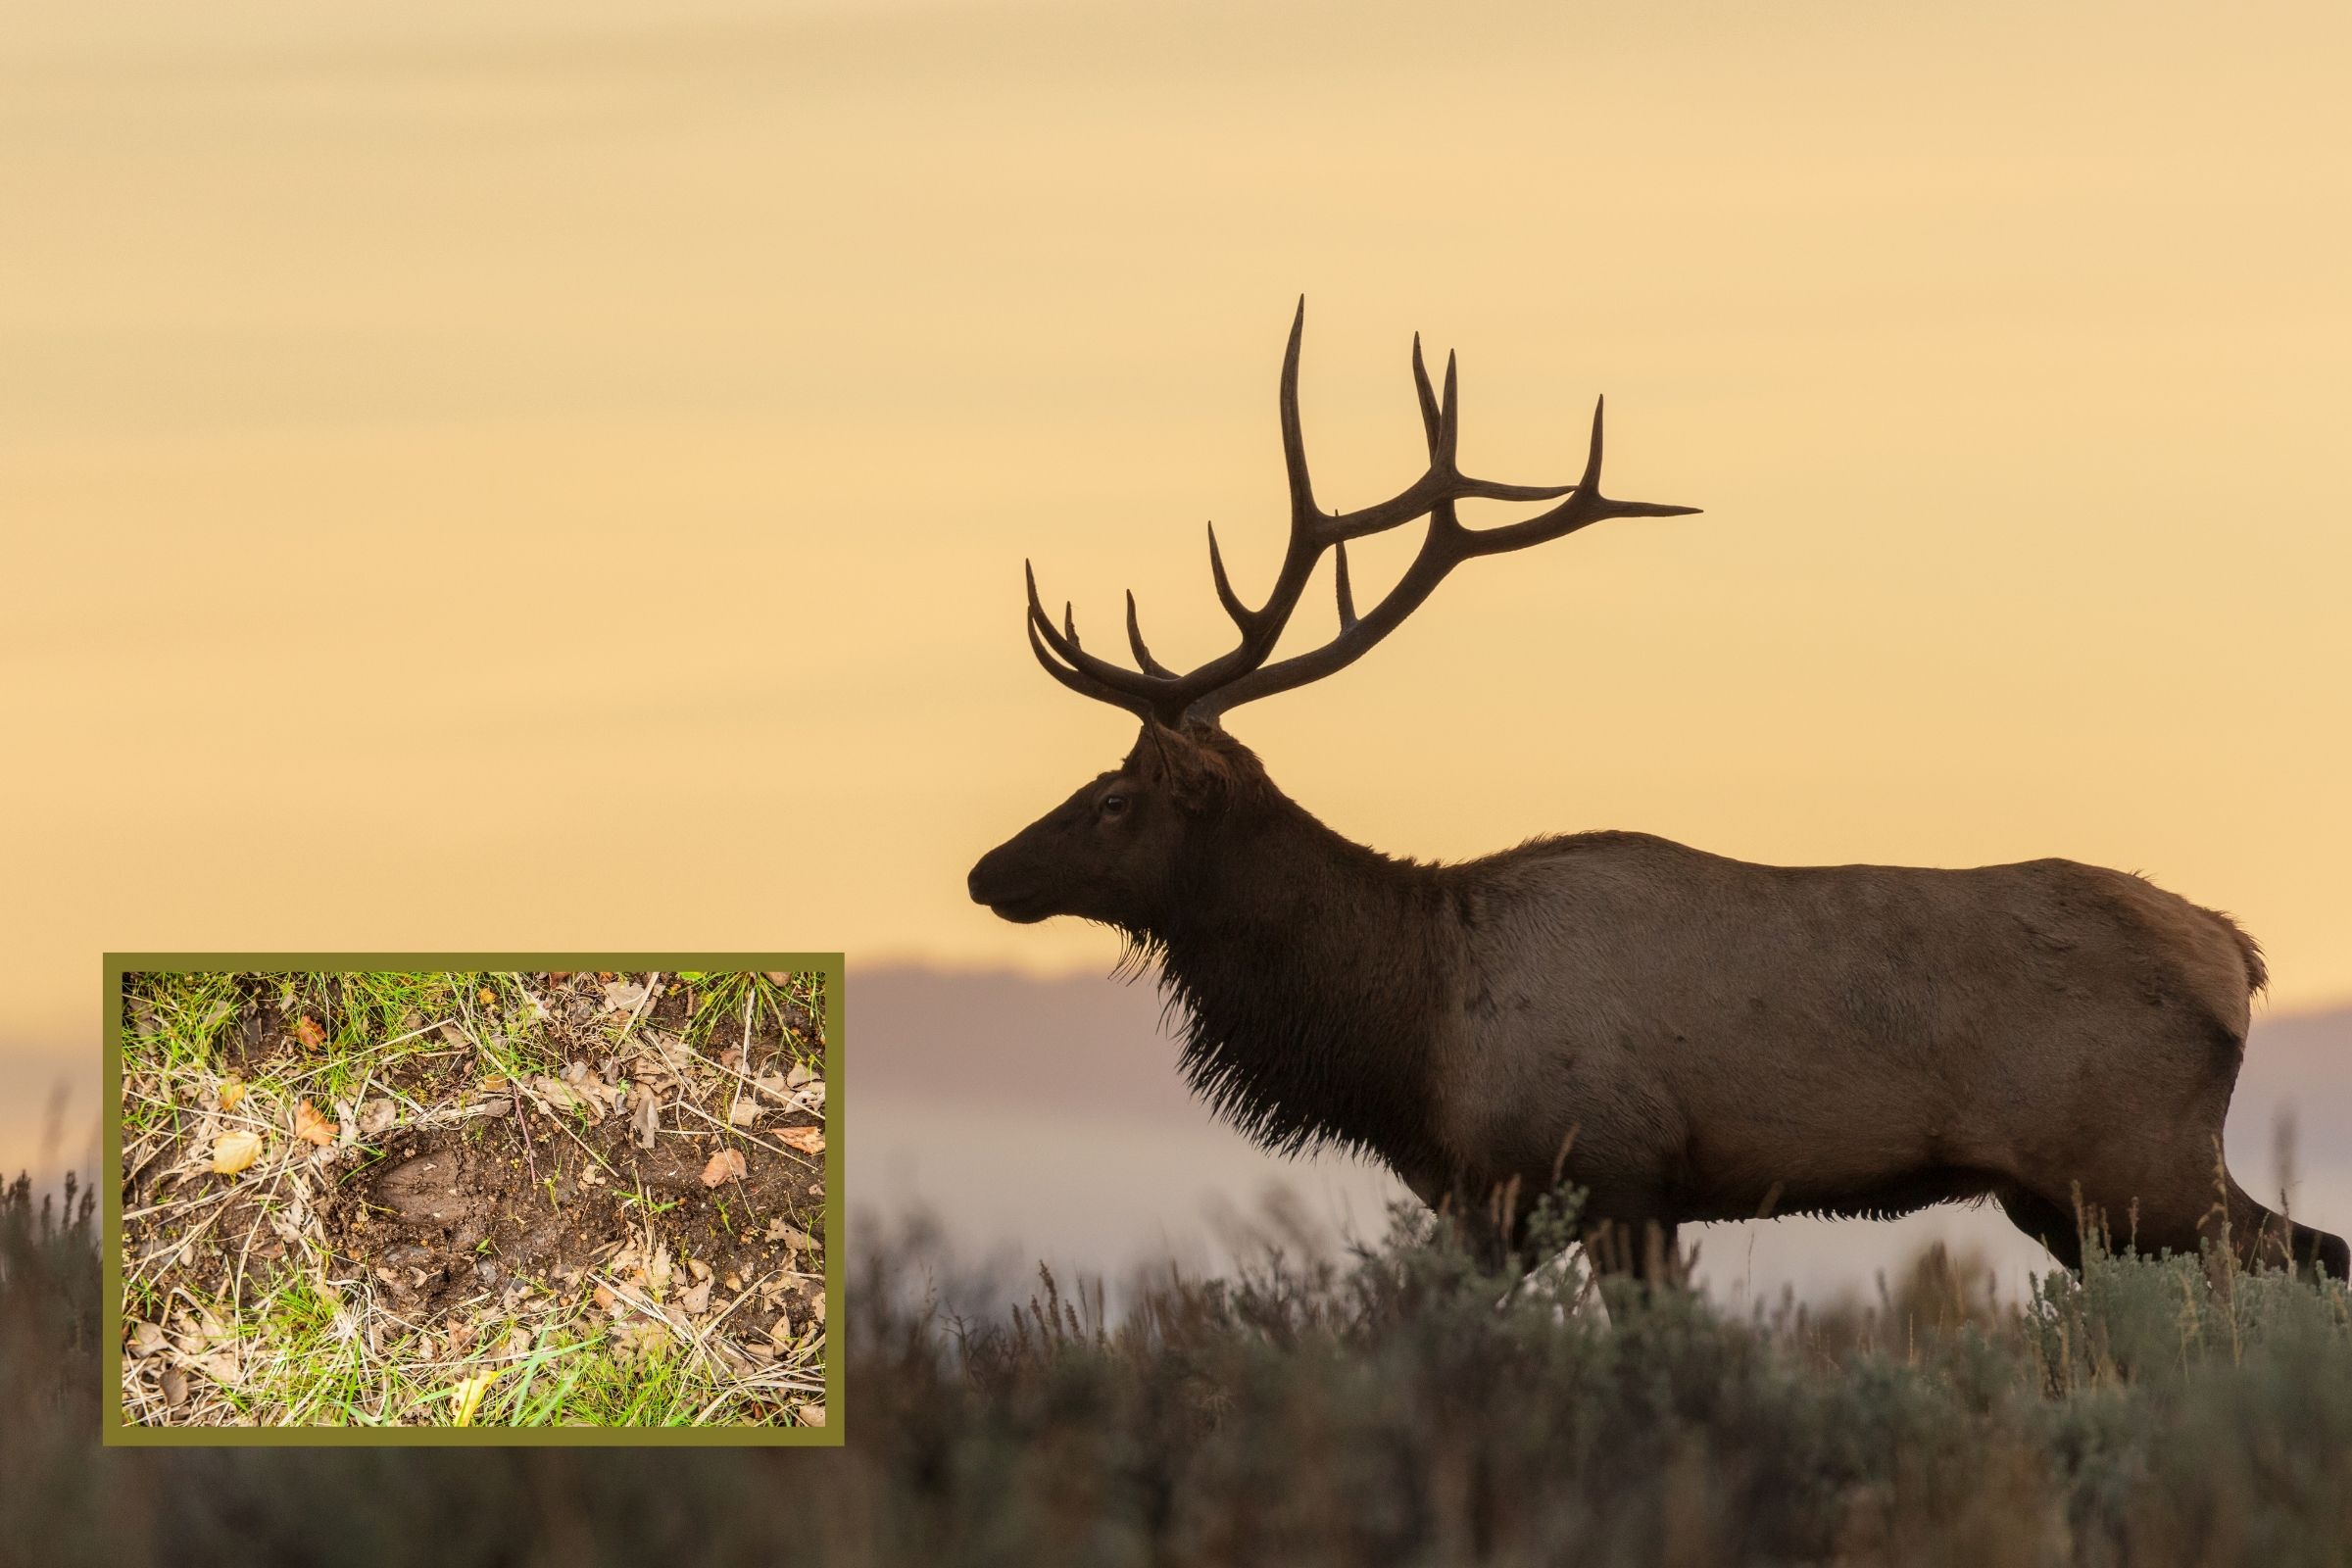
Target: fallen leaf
<point x="233" y="1094"/>
<point x="796" y="1077"/>
<point x="813" y="1415"/>
<point x="725" y="1165"/>
<point x="775" y="977"/>
<point x="696" y="1300"/>
<point x="493" y="1084"/>
<point x="310" y="1125"/>
<point x="742" y="1112"/>
<point x="797" y="1240"/>
<point x="604" y="1297"/>
<point x="645" y="1339"/>
<point x="147" y="1339"/>
<point x="469" y="1394"/>
<point x="235" y="1152"/>
<point x="307" y="1030"/>
<point x="559" y="976"/>
<point x="624" y="996"/>
<point x="486" y="996"/>
<point x="808" y="1140"/>
<point x="565" y="1097"/>
<point x="698" y="1268"/>
<point x="176" y="1387"/>
<point x="375" y="1115"/>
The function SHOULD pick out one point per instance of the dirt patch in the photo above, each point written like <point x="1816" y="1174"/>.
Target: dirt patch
<point x="505" y="1162"/>
<point x="443" y="1217"/>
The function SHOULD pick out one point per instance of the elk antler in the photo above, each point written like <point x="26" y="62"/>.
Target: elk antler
<point x="1242" y="673"/>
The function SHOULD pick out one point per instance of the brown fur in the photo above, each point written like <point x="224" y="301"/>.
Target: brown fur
<point x="1684" y="1037"/>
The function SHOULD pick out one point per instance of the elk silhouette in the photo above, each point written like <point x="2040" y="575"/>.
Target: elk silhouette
<point x="1681" y="1036"/>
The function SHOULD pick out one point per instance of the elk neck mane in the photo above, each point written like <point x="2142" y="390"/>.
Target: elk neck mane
<point x="1309" y="973"/>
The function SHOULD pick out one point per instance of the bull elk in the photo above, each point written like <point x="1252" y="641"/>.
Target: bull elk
<point x="1681" y="1036"/>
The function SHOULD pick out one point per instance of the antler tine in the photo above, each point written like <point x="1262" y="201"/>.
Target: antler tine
<point x="1425" y="397"/>
<point x="1293" y="438"/>
<point x="1242" y="614"/>
<point x="1135" y="640"/>
<point x="1346" y="594"/>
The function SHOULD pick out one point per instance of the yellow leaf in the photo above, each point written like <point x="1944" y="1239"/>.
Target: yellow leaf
<point x="487" y="997"/>
<point x="233" y="1094"/>
<point x="235" y="1152"/>
<point x="469" y="1394"/>
<point x="307" y="1123"/>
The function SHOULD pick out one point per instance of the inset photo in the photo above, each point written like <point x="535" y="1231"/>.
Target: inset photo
<point x="473" y="1200"/>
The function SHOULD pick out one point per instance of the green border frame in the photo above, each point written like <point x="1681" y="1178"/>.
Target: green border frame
<point x="115" y="1432"/>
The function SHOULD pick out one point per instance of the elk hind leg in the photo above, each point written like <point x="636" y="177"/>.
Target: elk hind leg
<point x="2257" y="1235"/>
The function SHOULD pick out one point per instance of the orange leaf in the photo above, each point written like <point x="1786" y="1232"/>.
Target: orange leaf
<point x="808" y="1140"/>
<point x="233" y="1094"/>
<point x="725" y="1165"/>
<point x="307" y="1030"/>
<point x="307" y="1123"/>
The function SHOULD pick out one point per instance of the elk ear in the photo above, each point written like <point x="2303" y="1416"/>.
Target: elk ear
<point x="1197" y="778"/>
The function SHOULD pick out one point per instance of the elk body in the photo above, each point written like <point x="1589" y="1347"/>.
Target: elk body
<point x="1681" y="1036"/>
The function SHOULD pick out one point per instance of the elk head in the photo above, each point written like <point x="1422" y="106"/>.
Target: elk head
<point x="1117" y="849"/>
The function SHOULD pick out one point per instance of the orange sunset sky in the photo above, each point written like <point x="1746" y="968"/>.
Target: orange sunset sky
<point x="556" y="476"/>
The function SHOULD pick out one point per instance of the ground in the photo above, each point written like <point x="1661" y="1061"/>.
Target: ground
<point x="488" y="1198"/>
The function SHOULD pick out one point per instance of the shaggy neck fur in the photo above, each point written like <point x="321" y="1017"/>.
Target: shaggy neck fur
<point x="1311" y="974"/>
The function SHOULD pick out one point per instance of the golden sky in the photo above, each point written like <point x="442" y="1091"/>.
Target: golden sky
<point x="557" y="477"/>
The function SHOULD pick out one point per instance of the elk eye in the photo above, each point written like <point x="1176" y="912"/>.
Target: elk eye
<point x="1115" y="805"/>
